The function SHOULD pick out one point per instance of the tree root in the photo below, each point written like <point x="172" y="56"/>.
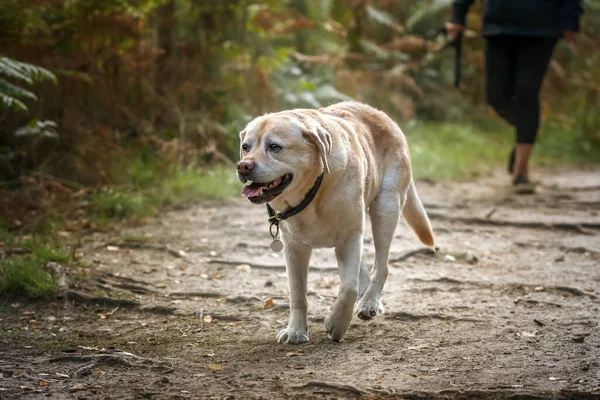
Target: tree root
<point x="271" y="267"/>
<point x="149" y="246"/>
<point x="339" y="387"/>
<point x="406" y="316"/>
<point x="410" y="253"/>
<point x="111" y="302"/>
<point x="81" y="297"/>
<point x="278" y="267"/>
<point x="514" y="286"/>
<point x="114" y="358"/>
<point x="583" y="227"/>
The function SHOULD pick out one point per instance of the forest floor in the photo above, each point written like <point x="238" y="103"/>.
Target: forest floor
<point x="189" y="304"/>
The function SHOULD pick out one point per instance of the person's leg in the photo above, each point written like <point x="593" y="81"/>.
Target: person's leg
<point x="532" y="63"/>
<point x="500" y="66"/>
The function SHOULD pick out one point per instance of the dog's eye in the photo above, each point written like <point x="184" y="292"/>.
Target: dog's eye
<point x="274" y="147"/>
<point x="245" y="147"/>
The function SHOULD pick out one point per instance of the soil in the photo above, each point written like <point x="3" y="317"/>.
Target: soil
<point x="188" y="306"/>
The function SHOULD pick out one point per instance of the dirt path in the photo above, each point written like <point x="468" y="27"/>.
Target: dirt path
<point x="189" y="305"/>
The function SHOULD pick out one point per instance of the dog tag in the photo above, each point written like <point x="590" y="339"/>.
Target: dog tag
<point x="276" y="245"/>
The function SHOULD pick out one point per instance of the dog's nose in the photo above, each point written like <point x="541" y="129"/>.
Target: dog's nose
<point x="245" y="166"/>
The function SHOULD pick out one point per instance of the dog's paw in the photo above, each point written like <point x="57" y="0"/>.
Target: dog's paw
<point x="337" y="325"/>
<point x="366" y="310"/>
<point x="291" y="336"/>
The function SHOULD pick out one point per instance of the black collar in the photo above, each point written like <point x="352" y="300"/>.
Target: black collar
<point x="275" y="217"/>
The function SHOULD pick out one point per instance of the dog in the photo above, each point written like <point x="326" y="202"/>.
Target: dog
<point x="327" y="169"/>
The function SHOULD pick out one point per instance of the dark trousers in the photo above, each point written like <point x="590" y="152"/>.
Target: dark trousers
<point x="515" y="69"/>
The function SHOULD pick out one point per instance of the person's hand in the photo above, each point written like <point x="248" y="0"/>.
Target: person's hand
<point x="568" y="35"/>
<point x="454" y="29"/>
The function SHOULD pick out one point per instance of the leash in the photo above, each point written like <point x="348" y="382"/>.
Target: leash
<point x="457" y="44"/>
<point x="275" y="217"/>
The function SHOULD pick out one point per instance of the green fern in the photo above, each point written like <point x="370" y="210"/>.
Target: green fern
<point x="18" y="71"/>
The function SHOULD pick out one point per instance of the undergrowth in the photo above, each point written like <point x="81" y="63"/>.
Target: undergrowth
<point x="462" y="151"/>
<point x="24" y="270"/>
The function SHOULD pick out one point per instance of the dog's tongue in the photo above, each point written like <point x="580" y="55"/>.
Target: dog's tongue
<point x="251" y="190"/>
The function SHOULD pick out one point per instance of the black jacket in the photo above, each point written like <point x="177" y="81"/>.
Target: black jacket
<point x="542" y="18"/>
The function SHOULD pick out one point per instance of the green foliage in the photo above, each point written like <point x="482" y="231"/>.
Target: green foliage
<point x="47" y="250"/>
<point x="454" y="151"/>
<point x="26" y="276"/>
<point x="184" y="186"/>
<point x="462" y="151"/>
<point x="113" y="204"/>
<point x="11" y="94"/>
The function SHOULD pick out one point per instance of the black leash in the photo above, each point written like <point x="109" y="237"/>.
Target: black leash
<point x="457" y="44"/>
<point x="275" y="217"/>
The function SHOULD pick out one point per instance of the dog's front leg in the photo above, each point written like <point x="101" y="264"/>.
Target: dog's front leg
<point x="349" y="256"/>
<point x="297" y="257"/>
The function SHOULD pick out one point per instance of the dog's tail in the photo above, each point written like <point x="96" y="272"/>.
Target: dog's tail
<point x="415" y="216"/>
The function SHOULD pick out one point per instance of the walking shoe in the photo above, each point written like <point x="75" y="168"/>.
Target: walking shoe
<point x="523" y="185"/>
<point x="511" y="161"/>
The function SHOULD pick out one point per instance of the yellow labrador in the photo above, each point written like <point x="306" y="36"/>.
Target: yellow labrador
<point x="360" y="159"/>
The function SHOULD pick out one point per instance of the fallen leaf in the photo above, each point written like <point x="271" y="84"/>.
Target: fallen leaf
<point x="216" y="276"/>
<point x="43" y="383"/>
<point x="529" y="334"/>
<point x="244" y="267"/>
<point x="208" y="319"/>
<point x="414" y="375"/>
<point x="215" y="367"/>
<point x="269" y="302"/>
<point x="26" y="388"/>
<point x="77" y="388"/>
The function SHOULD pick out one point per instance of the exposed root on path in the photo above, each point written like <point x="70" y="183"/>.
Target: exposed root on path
<point x="278" y="267"/>
<point x="512" y="286"/>
<point x="585" y="228"/>
<point x="80" y="297"/>
<point x="338" y="387"/>
<point x="271" y="267"/>
<point x="114" y="358"/>
<point x="407" y="316"/>
<point x="149" y="246"/>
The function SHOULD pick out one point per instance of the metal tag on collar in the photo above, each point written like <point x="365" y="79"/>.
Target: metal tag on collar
<point x="276" y="244"/>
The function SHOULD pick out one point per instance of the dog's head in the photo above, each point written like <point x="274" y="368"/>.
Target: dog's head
<point x="281" y="156"/>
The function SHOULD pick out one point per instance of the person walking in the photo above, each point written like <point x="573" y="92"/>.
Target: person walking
<point x="520" y="36"/>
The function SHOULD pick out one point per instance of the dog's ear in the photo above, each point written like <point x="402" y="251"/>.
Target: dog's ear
<point x="322" y="139"/>
<point x="242" y="136"/>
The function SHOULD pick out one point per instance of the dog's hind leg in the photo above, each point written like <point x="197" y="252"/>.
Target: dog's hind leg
<point x="384" y="212"/>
